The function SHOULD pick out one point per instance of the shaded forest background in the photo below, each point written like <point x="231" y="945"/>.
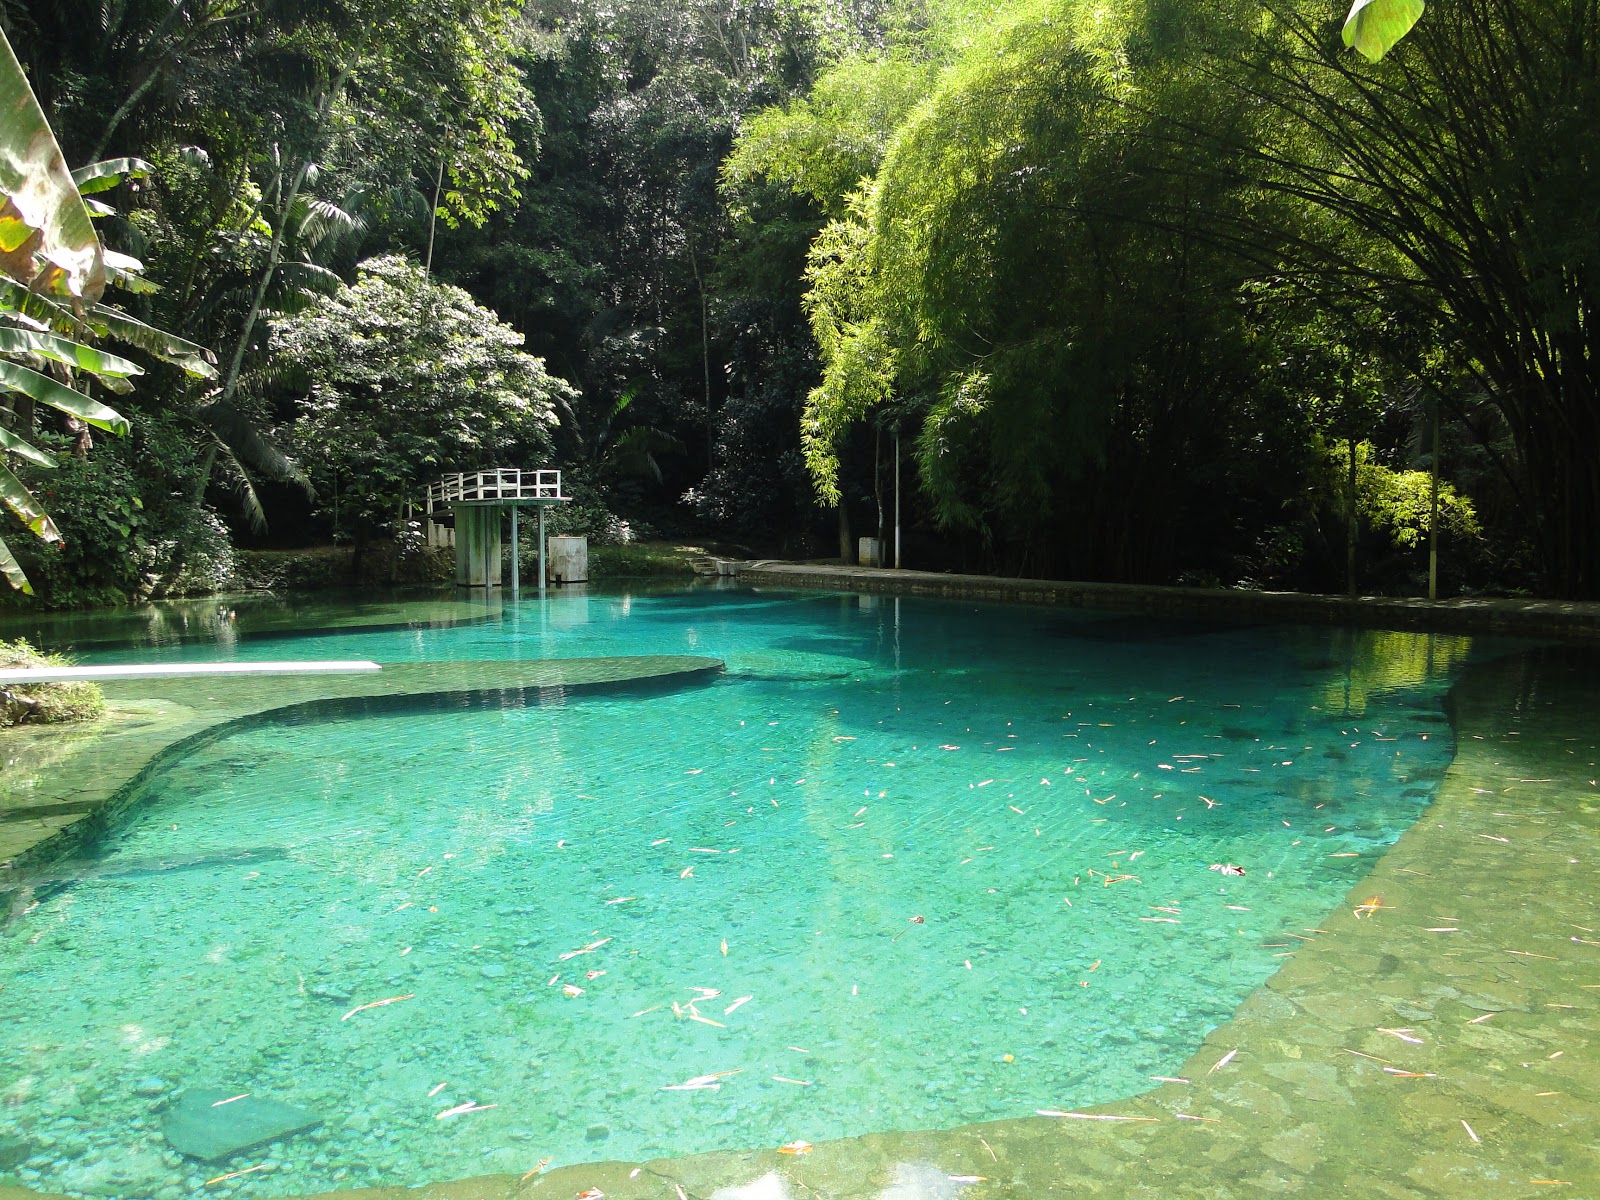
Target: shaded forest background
<point x="1155" y="291"/>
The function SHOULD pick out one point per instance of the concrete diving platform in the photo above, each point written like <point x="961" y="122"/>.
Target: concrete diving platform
<point x="475" y="504"/>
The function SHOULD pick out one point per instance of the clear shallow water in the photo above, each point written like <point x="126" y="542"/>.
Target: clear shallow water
<point x="1047" y="791"/>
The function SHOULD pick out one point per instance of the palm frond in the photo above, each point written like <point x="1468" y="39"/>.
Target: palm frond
<point x="247" y="442"/>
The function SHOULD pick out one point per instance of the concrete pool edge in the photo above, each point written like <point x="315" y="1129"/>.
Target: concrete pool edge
<point x="149" y="718"/>
<point x="1565" y="620"/>
<point x="1455" y="1073"/>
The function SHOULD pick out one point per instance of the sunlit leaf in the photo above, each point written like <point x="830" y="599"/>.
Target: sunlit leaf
<point x="103" y="176"/>
<point x="195" y="360"/>
<point x="65" y="350"/>
<point x="11" y="442"/>
<point x="20" y="501"/>
<point x="12" y="570"/>
<point x="57" y="395"/>
<point x="1374" y="26"/>
<point x="34" y="176"/>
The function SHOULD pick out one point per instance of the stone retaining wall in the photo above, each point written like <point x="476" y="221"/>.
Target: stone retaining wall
<point x="1567" y="621"/>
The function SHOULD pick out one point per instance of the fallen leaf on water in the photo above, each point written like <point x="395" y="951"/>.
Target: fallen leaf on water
<point x="537" y="1167"/>
<point x="737" y="1003"/>
<point x="591" y="1194"/>
<point x="377" y="1004"/>
<point x="796" y="1148"/>
<point x="1223" y="1061"/>
<point x="1403" y="1034"/>
<point x="469" y="1107"/>
<point x="571" y="989"/>
<point x="1050" y="1112"/>
<point x="246" y="1171"/>
<point x="700" y="1082"/>
<point x="786" y="1079"/>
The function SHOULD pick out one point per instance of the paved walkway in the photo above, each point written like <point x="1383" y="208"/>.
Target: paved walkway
<point x="1575" y="621"/>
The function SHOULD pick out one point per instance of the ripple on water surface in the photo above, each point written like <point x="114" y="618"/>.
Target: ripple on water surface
<point x="906" y="866"/>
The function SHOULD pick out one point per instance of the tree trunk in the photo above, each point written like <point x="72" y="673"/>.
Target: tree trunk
<point x="1350" y="523"/>
<point x="433" y="219"/>
<point x="845" y="555"/>
<point x="230" y="383"/>
<point x="705" y="353"/>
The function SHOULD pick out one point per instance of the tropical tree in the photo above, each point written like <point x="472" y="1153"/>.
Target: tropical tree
<point x="401" y="380"/>
<point x="1456" y="188"/>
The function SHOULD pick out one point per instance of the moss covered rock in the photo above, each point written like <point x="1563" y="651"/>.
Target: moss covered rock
<point x="44" y="703"/>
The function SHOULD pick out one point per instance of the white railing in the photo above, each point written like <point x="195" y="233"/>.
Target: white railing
<point x="497" y="483"/>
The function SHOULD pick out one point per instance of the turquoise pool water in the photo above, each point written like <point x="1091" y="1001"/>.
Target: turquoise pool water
<point x="907" y="864"/>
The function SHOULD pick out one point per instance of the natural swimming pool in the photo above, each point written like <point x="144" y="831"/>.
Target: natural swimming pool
<point x="1049" y="792"/>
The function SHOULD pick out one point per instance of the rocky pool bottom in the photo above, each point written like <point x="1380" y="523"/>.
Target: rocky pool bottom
<point x="1442" y="1039"/>
<point x="1433" y="1041"/>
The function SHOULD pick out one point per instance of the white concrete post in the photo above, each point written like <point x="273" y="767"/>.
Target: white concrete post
<point x="516" y="560"/>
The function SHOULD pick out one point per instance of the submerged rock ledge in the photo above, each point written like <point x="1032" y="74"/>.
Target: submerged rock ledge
<point x="81" y="772"/>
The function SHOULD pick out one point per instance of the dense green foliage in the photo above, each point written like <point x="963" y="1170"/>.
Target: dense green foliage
<point x="407" y="379"/>
<point x="1152" y="290"/>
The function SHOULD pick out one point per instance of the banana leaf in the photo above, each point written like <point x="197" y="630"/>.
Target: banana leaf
<point x="12" y="569"/>
<point x="20" y="501"/>
<point x="10" y="441"/>
<point x="65" y="350"/>
<point x="195" y="360"/>
<point x="105" y="175"/>
<point x="58" y="395"/>
<point x="42" y="200"/>
<point x="1374" y="26"/>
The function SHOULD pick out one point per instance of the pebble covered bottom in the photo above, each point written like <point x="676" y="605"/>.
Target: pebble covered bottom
<point x="907" y="864"/>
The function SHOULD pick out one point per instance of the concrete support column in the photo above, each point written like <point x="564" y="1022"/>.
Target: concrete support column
<point x="477" y="546"/>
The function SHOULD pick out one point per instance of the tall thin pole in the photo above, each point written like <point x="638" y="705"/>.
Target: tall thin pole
<point x="896" y="499"/>
<point x="542" y="571"/>
<point x="1433" y="512"/>
<point x="1350" y="523"/>
<point x="516" y="558"/>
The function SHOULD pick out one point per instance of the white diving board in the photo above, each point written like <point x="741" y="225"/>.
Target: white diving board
<point x="170" y="670"/>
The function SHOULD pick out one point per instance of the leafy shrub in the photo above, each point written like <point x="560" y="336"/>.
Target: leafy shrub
<point x="125" y="512"/>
